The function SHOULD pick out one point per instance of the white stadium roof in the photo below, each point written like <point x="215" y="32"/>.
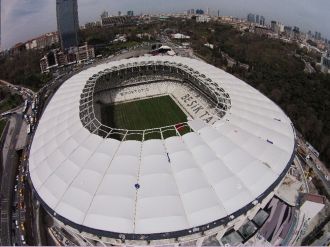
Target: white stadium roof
<point x="213" y="172"/>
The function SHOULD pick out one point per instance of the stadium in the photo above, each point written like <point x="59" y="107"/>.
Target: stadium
<point x="157" y="150"/>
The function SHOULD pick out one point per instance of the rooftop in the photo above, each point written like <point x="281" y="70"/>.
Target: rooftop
<point x="200" y="179"/>
<point x="315" y="198"/>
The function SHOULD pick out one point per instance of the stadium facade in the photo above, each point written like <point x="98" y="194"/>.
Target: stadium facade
<point x="119" y="186"/>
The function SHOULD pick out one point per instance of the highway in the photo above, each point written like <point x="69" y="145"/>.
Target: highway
<point x="26" y="93"/>
<point x="10" y="164"/>
<point x="13" y="186"/>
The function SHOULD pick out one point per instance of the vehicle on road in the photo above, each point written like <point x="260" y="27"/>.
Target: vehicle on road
<point x="28" y="130"/>
<point x="26" y="118"/>
<point x="26" y="102"/>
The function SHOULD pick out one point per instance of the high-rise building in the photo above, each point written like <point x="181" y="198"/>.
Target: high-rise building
<point x="199" y="12"/>
<point x="67" y="23"/>
<point x="277" y="27"/>
<point x="280" y="28"/>
<point x="296" y="29"/>
<point x="273" y="25"/>
<point x="130" y="13"/>
<point x="262" y="21"/>
<point x="309" y="34"/>
<point x="251" y="18"/>
<point x="318" y="36"/>
<point x="191" y="11"/>
<point x="257" y="19"/>
<point x="288" y="29"/>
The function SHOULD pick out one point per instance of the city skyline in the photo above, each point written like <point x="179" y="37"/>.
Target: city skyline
<point x="303" y="14"/>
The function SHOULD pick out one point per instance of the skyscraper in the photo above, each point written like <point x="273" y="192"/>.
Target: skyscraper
<point x="130" y="13"/>
<point x="318" y="36"/>
<point x="296" y="30"/>
<point x="191" y="12"/>
<point x="257" y="19"/>
<point x="199" y="12"/>
<point x="67" y="23"/>
<point x="262" y="21"/>
<point x="251" y="18"/>
<point x="273" y="25"/>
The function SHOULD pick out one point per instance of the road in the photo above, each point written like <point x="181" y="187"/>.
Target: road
<point x="9" y="143"/>
<point x="179" y="50"/>
<point x="8" y="178"/>
<point x="13" y="186"/>
<point x="318" y="167"/>
<point x="297" y="162"/>
<point x="25" y="92"/>
<point x="319" y="173"/>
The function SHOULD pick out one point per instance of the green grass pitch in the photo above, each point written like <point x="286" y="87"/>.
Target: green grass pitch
<point x="143" y="114"/>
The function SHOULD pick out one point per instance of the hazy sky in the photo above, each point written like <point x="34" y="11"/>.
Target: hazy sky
<point x="25" y="19"/>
